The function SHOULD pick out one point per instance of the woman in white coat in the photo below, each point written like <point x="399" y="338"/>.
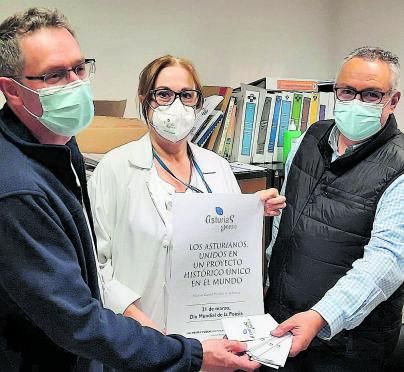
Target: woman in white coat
<point x="131" y="191"/>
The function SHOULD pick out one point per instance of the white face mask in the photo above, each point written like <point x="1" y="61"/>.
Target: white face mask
<point x="173" y="122"/>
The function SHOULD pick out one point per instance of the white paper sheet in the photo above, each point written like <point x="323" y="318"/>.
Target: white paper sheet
<point x="216" y="262"/>
<point x="256" y="331"/>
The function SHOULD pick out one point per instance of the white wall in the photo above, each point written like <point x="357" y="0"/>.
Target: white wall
<point x="228" y="41"/>
<point x="370" y="22"/>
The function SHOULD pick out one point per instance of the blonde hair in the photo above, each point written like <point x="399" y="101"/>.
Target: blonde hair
<point x="149" y="74"/>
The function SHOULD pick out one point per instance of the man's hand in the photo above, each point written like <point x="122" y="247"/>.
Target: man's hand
<point x="304" y="327"/>
<point x="220" y="355"/>
<point x="273" y="202"/>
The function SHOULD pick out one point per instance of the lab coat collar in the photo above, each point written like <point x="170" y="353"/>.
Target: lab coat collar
<point x="143" y="156"/>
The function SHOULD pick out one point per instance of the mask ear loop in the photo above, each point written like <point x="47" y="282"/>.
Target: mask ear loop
<point x="24" y="87"/>
<point x="32" y="91"/>
<point x="389" y="100"/>
<point x="199" y="106"/>
<point x="144" y="111"/>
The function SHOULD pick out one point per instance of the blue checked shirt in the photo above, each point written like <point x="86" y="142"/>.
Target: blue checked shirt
<point x="372" y="278"/>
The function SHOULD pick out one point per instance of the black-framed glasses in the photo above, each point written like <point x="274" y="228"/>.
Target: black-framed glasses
<point x="83" y="70"/>
<point x="366" y="95"/>
<point x="166" y="96"/>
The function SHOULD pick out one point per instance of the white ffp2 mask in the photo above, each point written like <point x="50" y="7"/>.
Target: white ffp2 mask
<point x="173" y="122"/>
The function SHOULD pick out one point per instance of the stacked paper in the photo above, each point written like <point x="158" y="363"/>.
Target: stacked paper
<point x="261" y="345"/>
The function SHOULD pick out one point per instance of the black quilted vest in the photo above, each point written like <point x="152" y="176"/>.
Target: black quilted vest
<point x="328" y="221"/>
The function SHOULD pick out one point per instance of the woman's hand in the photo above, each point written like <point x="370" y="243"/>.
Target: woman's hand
<point x="132" y="311"/>
<point x="273" y="202"/>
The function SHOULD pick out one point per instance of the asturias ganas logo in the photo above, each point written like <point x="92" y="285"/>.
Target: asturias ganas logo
<point x="225" y="222"/>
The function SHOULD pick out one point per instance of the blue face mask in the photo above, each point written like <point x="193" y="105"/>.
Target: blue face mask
<point x="67" y="109"/>
<point x="358" y="120"/>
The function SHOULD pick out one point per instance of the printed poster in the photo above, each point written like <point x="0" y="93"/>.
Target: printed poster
<point x="216" y="262"/>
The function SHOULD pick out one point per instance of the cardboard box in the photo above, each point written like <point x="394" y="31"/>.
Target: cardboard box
<point x="106" y="133"/>
<point x="109" y="108"/>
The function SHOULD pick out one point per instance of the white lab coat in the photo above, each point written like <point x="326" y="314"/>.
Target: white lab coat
<point x="133" y="222"/>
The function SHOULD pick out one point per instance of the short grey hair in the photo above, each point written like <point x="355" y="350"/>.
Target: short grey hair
<point x="378" y="54"/>
<point x="20" y="25"/>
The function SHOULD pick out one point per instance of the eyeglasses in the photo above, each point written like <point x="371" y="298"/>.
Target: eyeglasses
<point x="366" y="95"/>
<point x="166" y="96"/>
<point x="83" y="70"/>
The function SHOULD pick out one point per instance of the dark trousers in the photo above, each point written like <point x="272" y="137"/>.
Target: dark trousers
<point x="313" y="361"/>
<point x="346" y="352"/>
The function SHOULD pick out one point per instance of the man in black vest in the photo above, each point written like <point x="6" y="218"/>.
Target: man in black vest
<point x="51" y="313"/>
<point x="337" y="254"/>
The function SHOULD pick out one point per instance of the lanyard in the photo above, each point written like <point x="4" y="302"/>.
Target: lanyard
<point x="193" y="162"/>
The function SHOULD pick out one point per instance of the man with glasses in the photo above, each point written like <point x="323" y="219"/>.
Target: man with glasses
<point x="337" y="255"/>
<point x="51" y="313"/>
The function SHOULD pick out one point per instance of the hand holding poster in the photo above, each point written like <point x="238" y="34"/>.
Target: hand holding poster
<point x="216" y="262"/>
